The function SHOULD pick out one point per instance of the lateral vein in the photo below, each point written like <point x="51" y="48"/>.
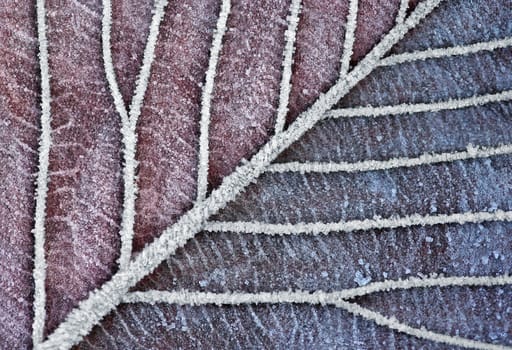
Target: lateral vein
<point x="377" y="223"/>
<point x="471" y="152"/>
<point x="285" y="88"/>
<point x="460" y="50"/>
<point x="452" y="104"/>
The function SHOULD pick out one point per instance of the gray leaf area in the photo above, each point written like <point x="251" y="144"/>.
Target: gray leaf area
<point x="231" y="261"/>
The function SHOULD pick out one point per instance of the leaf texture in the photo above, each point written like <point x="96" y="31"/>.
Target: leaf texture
<point x="19" y="132"/>
<point x="82" y="241"/>
<point x="252" y="174"/>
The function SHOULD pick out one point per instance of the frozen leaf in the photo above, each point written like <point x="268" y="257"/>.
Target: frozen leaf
<point x="254" y="174"/>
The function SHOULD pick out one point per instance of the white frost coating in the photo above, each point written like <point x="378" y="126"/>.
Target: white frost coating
<point x="350" y="36"/>
<point x="337" y="298"/>
<point x="446" y="52"/>
<point x="316" y="228"/>
<point x="471" y="152"/>
<point x="422" y="332"/>
<point x="402" y="11"/>
<point x="284" y="92"/>
<point x="405" y="108"/>
<point x="202" y="171"/>
<point x="39" y="232"/>
<point x="129" y="121"/>
<point x="89" y="312"/>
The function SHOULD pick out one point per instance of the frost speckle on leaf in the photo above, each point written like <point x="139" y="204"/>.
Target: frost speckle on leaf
<point x="361" y="279"/>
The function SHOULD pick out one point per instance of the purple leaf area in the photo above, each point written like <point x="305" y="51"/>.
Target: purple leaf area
<point x="19" y="131"/>
<point x="405" y="112"/>
<point x="375" y="18"/>
<point x="84" y="195"/>
<point x="320" y="37"/>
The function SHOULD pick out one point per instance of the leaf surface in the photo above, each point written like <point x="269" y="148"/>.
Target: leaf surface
<point x="19" y="132"/>
<point x="164" y="117"/>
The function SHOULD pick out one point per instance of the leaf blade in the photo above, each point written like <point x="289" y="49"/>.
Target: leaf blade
<point x="19" y="134"/>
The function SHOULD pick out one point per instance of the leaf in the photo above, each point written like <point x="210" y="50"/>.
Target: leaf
<point x="19" y="131"/>
<point x="267" y="173"/>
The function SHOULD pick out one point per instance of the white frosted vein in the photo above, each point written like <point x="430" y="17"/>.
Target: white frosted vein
<point x="316" y="228"/>
<point x="42" y="181"/>
<point x="402" y="11"/>
<point x="90" y="311"/>
<point x="473" y="101"/>
<point x="285" y="88"/>
<point x="129" y="120"/>
<point x="350" y="36"/>
<point x="202" y="172"/>
<point x="446" y="52"/>
<point x="129" y="141"/>
<point x="471" y="152"/>
<point x="338" y="299"/>
<point x="106" y="27"/>
<point x="186" y="297"/>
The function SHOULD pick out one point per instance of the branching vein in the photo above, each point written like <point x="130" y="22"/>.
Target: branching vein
<point x="338" y="299"/>
<point x="202" y="172"/>
<point x="129" y="120"/>
<point x="106" y="24"/>
<point x="186" y="297"/>
<point x="422" y="332"/>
